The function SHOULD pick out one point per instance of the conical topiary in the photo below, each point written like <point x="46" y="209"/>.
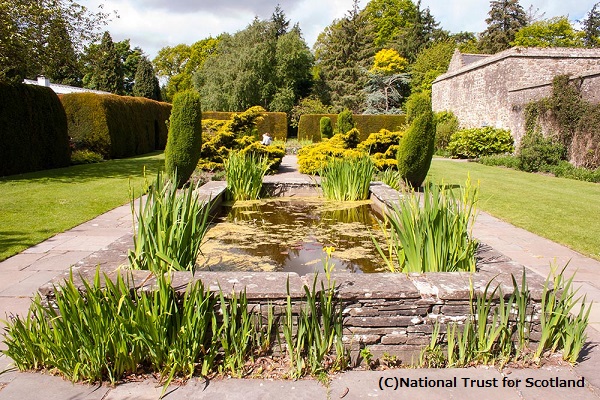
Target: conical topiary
<point x="185" y="136"/>
<point x="416" y="150"/>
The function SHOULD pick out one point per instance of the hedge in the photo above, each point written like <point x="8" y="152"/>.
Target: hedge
<point x="309" y="129"/>
<point x="274" y="122"/>
<point x="116" y="126"/>
<point x="33" y="130"/>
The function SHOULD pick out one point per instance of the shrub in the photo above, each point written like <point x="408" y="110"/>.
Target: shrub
<point x="417" y="104"/>
<point x="273" y="122"/>
<point x="416" y="150"/>
<point x="313" y="158"/>
<point x="308" y="127"/>
<point x="345" y="122"/>
<point x="33" y="130"/>
<point x="446" y="124"/>
<point x="537" y="152"/>
<point x="500" y="160"/>
<point x="325" y="127"/>
<point x="478" y="142"/>
<point x="564" y="169"/>
<point x="85" y="157"/>
<point x="185" y="136"/>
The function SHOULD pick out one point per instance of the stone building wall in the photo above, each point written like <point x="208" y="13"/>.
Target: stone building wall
<point x="492" y="91"/>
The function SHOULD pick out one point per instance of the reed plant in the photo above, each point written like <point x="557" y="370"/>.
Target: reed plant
<point x="169" y="227"/>
<point x="392" y="178"/>
<point x="432" y="232"/>
<point x="316" y="348"/>
<point x="108" y="331"/>
<point x="244" y="174"/>
<point x="347" y="179"/>
<point x="497" y="332"/>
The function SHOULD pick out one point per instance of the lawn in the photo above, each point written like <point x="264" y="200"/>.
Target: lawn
<point x="565" y="211"/>
<point x="38" y="205"/>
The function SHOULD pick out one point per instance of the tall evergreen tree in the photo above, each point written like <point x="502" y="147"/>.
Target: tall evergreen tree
<point x="422" y="30"/>
<point x="62" y="64"/>
<point x="108" y="71"/>
<point x="591" y="27"/>
<point x="343" y="54"/>
<point x="279" y="21"/>
<point x="146" y="83"/>
<point x="506" y="17"/>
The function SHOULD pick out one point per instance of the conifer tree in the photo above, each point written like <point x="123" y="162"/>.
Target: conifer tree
<point x="146" y="84"/>
<point x="506" y="17"/>
<point x="591" y="27"/>
<point x="108" y="71"/>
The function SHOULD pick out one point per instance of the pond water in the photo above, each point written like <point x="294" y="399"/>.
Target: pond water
<point x="290" y="234"/>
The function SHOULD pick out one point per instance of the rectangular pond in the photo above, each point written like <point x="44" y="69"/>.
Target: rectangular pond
<point x="290" y="235"/>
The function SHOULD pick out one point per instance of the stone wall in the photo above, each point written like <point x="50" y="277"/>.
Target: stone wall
<point x="492" y="91"/>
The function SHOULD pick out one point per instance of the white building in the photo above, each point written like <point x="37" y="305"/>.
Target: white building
<point x="60" y="89"/>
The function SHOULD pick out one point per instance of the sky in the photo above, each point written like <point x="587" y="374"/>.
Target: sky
<point x="154" y="24"/>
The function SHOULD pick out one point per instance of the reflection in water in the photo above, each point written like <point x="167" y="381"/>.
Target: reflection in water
<point x="289" y="235"/>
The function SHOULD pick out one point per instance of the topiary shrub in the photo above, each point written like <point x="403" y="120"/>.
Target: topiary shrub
<point x="345" y="122"/>
<point x="478" y="142"/>
<point x="326" y="127"/>
<point x="538" y="153"/>
<point x="417" y="104"/>
<point x="185" y="136"/>
<point x="416" y="150"/>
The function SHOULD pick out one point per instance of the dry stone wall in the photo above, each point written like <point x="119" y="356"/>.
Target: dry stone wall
<point x="493" y="91"/>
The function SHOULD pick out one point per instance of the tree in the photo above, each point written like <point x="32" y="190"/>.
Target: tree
<point x="178" y="64"/>
<point x="256" y="67"/>
<point x="279" y="21"/>
<point x="591" y="27"/>
<point x="389" y="19"/>
<point x="554" y="32"/>
<point x="62" y="63"/>
<point x="107" y="70"/>
<point x="146" y="83"/>
<point x="130" y="59"/>
<point x="342" y="54"/>
<point x="387" y="84"/>
<point x="431" y="62"/>
<point x="26" y="26"/>
<point x="506" y="17"/>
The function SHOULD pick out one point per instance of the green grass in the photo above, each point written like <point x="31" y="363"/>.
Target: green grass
<point x="562" y="210"/>
<point x="38" y="205"/>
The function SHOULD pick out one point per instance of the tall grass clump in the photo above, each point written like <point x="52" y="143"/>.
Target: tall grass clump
<point x="244" y="174"/>
<point x="432" y="232"/>
<point x="347" y="179"/>
<point x="498" y="328"/>
<point x="106" y="331"/>
<point x="171" y="225"/>
<point x="314" y="343"/>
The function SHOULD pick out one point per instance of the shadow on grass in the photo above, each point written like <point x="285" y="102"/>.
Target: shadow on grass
<point x="121" y="168"/>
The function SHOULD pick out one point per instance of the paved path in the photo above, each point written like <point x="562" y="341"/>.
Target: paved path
<point x="22" y="274"/>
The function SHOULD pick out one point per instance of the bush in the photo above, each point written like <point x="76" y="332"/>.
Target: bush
<point x="537" y="152"/>
<point x="564" y="169"/>
<point x="116" y="126"/>
<point x="308" y="127"/>
<point x="273" y="122"/>
<point x="446" y="124"/>
<point x="326" y="127"/>
<point x="185" y="136"/>
<point x="345" y="122"/>
<point x="478" y="142"/>
<point x="416" y="150"/>
<point x="500" y="160"/>
<point x="33" y="130"/>
<point x="417" y="104"/>
<point x="85" y="157"/>
<point x="313" y="158"/>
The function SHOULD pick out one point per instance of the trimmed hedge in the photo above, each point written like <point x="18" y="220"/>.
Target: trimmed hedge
<point x="273" y="122"/>
<point x="415" y="150"/>
<point x="309" y="128"/>
<point x="116" y="126"/>
<point x="33" y="130"/>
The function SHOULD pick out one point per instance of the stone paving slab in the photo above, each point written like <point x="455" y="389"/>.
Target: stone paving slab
<point x="29" y="386"/>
